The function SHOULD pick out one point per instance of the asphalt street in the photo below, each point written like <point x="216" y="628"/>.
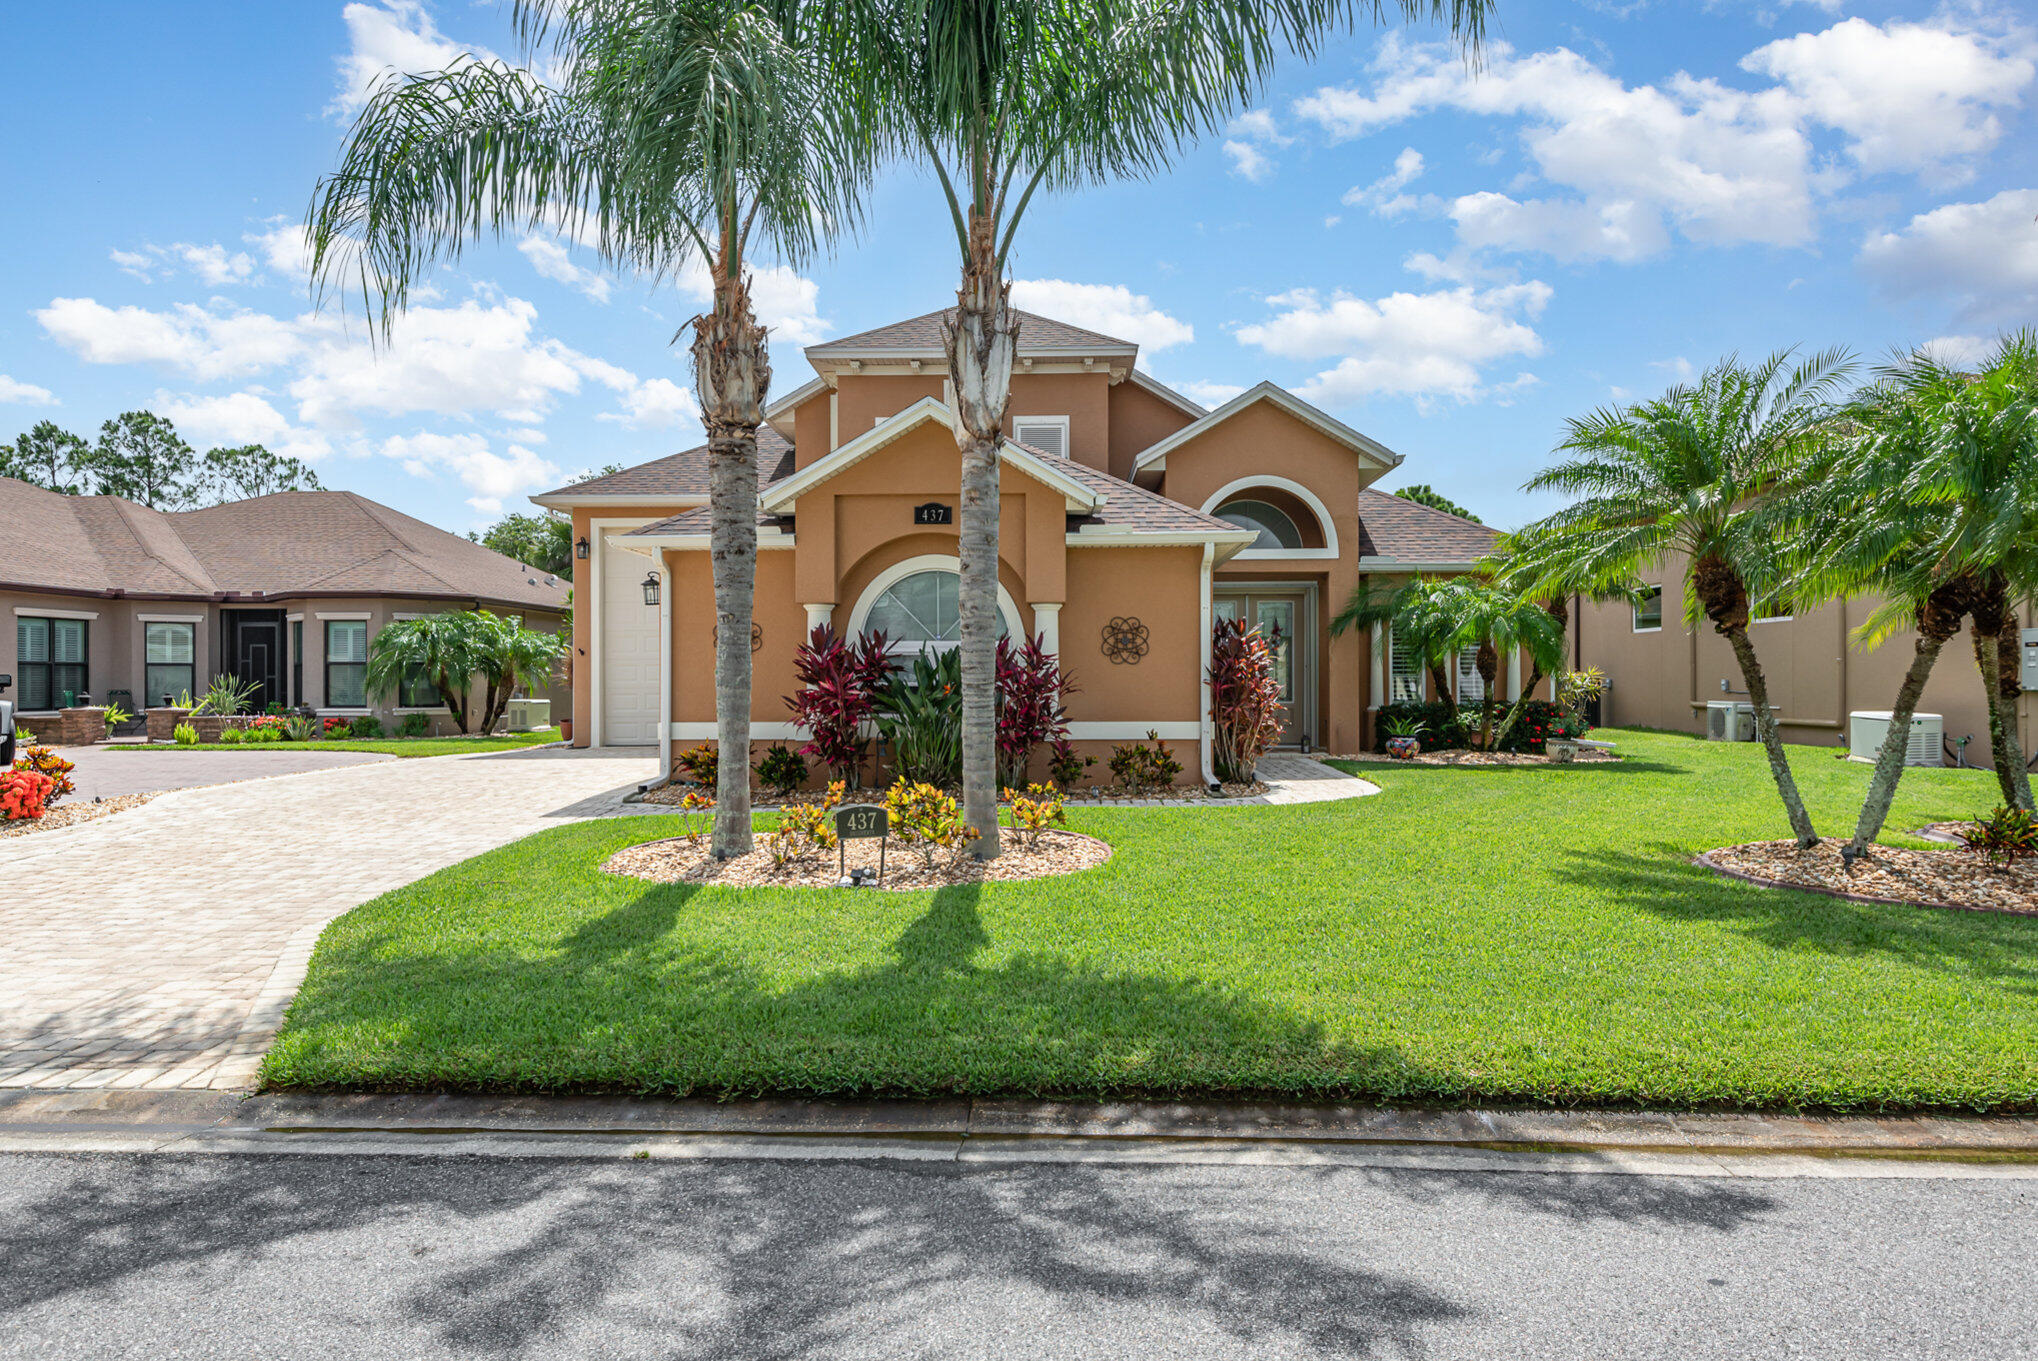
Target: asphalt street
<point x="285" y="1256"/>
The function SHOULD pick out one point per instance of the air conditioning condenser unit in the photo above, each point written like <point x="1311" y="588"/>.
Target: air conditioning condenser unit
<point x="1868" y="728"/>
<point x="1729" y="720"/>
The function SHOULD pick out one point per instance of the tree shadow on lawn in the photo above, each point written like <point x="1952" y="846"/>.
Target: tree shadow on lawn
<point x="1661" y="879"/>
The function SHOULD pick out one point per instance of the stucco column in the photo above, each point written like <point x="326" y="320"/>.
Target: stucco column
<point x="1376" y="695"/>
<point x="1514" y="675"/>
<point x="1047" y="623"/>
<point x="817" y="615"/>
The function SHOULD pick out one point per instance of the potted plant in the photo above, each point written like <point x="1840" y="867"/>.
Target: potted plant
<point x="1560" y="750"/>
<point x="1404" y="738"/>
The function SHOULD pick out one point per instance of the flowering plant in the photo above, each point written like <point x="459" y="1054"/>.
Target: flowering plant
<point x="929" y="821"/>
<point x="839" y="687"/>
<point x="1033" y="696"/>
<point x="1245" y="700"/>
<point x="24" y="795"/>
<point x="45" y="762"/>
<point x="1032" y="811"/>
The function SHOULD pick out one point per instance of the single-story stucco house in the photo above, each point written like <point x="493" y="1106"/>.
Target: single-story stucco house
<point x="113" y="599"/>
<point x="1130" y="518"/>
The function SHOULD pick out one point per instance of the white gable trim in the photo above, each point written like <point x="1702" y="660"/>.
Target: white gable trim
<point x="1323" y="422"/>
<point x="1294" y="489"/>
<point x="785" y="493"/>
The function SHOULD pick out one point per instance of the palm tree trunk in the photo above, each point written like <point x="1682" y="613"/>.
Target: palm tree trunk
<point x="1889" y="762"/>
<point x="1488" y="664"/>
<point x="1521" y="702"/>
<point x="732" y="373"/>
<point x="1772" y="740"/>
<point x="981" y="346"/>
<point x="2005" y="743"/>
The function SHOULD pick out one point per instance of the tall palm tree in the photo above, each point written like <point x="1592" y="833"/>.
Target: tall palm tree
<point x="1423" y="617"/>
<point x="678" y="134"/>
<point x="1695" y="473"/>
<point x="1004" y="99"/>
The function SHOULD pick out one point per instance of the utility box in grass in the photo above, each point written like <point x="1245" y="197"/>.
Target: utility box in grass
<point x="529" y="715"/>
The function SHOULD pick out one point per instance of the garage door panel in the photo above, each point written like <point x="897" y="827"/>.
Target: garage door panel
<point x="629" y="643"/>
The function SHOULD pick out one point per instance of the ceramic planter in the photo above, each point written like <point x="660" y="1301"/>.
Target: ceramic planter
<point x="1404" y="748"/>
<point x="1561" y="752"/>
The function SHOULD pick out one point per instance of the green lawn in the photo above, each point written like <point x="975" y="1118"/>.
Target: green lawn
<point x="387" y="746"/>
<point x="1533" y="934"/>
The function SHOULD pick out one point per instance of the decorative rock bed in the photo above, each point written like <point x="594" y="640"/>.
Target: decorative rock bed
<point x="1949" y="879"/>
<point x="1586" y="756"/>
<point x="680" y="860"/>
<point x="70" y="814"/>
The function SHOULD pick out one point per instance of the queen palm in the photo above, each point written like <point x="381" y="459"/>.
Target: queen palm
<point x="1694" y="476"/>
<point x="678" y="135"/>
<point x="1003" y="99"/>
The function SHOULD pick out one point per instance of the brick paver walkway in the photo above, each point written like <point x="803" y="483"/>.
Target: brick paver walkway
<point x="158" y="947"/>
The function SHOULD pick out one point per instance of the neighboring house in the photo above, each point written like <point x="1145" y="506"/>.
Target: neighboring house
<point x="113" y="599"/>
<point x="1664" y="672"/>
<point x="1130" y="518"/>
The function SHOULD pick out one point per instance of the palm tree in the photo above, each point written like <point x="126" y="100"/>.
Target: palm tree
<point x="1695" y="473"/>
<point x="1421" y="614"/>
<point x="679" y="133"/>
<point x="1005" y="98"/>
<point x="1503" y="620"/>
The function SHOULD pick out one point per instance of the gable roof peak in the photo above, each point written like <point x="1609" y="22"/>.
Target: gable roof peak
<point x="921" y="336"/>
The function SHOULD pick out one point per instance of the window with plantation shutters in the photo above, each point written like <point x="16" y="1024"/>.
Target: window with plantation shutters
<point x="51" y="658"/>
<point x="171" y="665"/>
<point x="1471" y="685"/>
<point x="1404" y="670"/>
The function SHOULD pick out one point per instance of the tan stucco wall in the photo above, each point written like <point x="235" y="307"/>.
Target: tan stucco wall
<point x="1816" y="670"/>
<point x="1162" y="587"/>
<point x="861" y="400"/>
<point x="1083" y="397"/>
<point x="1139" y="420"/>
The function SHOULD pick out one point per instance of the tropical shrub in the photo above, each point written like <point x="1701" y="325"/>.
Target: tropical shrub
<point x="919" y="717"/>
<point x="337" y="729"/>
<point x="804" y="829"/>
<point x="1540" y="723"/>
<point x="1576" y="689"/>
<point x="366" y="726"/>
<point x="839" y="686"/>
<point x="115" y="716"/>
<point x="270" y="722"/>
<point x="2007" y="835"/>
<point x="227" y="696"/>
<point x="1064" y="767"/>
<point x="1245" y="700"/>
<point x="44" y="761"/>
<point x="451" y="648"/>
<point x="233" y="737"/>
<point x="701" y="765"/>
<point x="1033" y="696"/>
<point x="1441" y="723"/>
<point x="185" y="735"/>
<point x="695" y="812"/>
<point x="301" y="728"/>
<point x="1034" y="810"/>
<point x="1141" y="768"/>
<point x="413" y="725"/>
<point x="781" y="771"/>
<point x="24" y="795"/>
<point x="928" y="822"/>
<point x="260" y="735"/>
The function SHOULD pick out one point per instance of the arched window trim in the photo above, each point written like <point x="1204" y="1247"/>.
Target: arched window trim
<point x="1243" y="488"/>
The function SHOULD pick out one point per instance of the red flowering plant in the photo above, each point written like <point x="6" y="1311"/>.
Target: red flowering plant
<point x="1245" y="700"/>
<point x="24" y="794"/>
<point x="1032" y="705"/>
<point x="45" y="762"/>
<point x="840" y="683"/>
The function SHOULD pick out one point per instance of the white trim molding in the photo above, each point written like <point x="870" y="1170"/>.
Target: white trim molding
<point x="819" y="615"/>
<point x="1206" y="723"/>
<point x="759" y="732"/>
<point x="1294" y="489"/>
<point x="174" y="618"/>
<point x="38" y="612"/>
<point x="1156" y="455"/>
<point x="1368" y="563"/>
<point x="925" y="562"/>
<point x="346" y="614"/>
<point x="1047" y="623"/>
<point x="1196" y="410"/>
<point x="1105" y="731"/>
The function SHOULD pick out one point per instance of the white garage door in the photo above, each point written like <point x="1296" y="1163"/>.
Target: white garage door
<point x="629" y="643"/>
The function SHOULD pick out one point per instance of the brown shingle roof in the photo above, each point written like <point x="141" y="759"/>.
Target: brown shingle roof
<point x="684" y="473"/>
<point x="1390" y="527"/>
<point x="922" y="335"/>
<point x="325" y="542"/>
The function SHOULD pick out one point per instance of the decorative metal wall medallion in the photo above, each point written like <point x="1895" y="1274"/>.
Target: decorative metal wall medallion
<point x="1125" y="640"/>
<point x="756" y="636"/>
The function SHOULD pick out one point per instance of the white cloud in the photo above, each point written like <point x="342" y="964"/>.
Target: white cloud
<point x="1715" y="164"/>
<point x="491" y="477"/>
<point x="1113" y="309"/>
<point x="284" y="248"/>
<point x="1959" y="351"/>
<point x="786" y="303"/>
<point x="1408" y="166"/>
<point x="553" y="261"/>
<point x="1409" y="344"/>
<point x="1208" y="394"/>
<point x="1982" y="258"/>
<point x="140" y="264"/>
<point x="13" y="390"/>
<point x="240" y="418"/>
<point x="1909" y="97"/>
<point x="1247" y="160"/>
<point x="396" y="35"/>
<point x="213" y="264"/>
<point x="205" y="344"/>
<point x="1246" y="141"/>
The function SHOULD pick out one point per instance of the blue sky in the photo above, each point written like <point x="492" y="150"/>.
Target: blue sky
<point x="1452" y="261"/>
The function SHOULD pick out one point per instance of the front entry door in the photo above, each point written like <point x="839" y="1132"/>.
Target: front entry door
<point x="1276" y="614"/>
<point x="255" y="652"/>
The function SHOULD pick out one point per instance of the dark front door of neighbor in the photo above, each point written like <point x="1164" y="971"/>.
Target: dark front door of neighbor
<point x="255" y="651"/>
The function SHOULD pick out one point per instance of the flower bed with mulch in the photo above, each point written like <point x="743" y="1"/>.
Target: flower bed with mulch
<point x="1586" y="756"/>
<point x="1891" y="874"/>
<point x="71" y="814"/>
<point x="683" y="860"/>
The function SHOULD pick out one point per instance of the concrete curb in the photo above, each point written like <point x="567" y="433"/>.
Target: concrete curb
<point x="963" y="1131"/>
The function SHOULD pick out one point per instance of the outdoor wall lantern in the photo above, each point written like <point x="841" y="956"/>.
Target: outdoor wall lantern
<point x="580" y="548"/>
<point x="651" y="588"/>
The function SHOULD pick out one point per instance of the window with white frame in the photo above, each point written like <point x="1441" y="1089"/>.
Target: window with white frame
<point x="347" y="663"/>
<point x="921" y="613"/>
<point x="52" y="662"/>
<point x="1471" y="685"/>
<point x="171" y="665"/>
<point x="1649" y="610"/>
<point x="1048" y="434"/>
<point x="1404" y="670"/>
<point x="1275" y="528"/>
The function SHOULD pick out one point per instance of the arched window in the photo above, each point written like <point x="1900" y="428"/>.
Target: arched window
<point x="1275" y="529"/>
<point x="921" y="612"/>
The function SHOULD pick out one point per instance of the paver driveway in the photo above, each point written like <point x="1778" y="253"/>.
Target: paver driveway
<point x="158" y="947"/>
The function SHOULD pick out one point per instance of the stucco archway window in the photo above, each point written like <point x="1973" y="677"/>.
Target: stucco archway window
<point x="921" y="613"/>
<point x="1274" y="527"/>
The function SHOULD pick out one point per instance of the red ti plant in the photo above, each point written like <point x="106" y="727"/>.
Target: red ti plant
<point x="1032" y="705"/>
<point x="1245" y="700"/>
<point x="840" y="683"/>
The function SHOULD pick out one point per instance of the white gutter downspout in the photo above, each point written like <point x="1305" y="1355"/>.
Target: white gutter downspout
<point x="1208" y="724"/>
<point x="664" y="671"/>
